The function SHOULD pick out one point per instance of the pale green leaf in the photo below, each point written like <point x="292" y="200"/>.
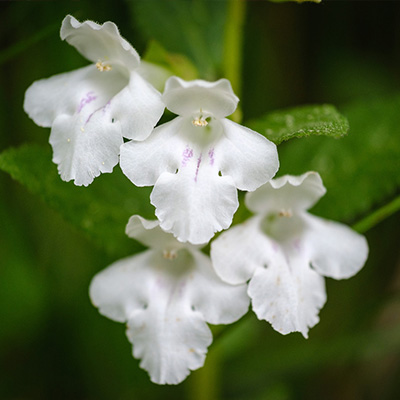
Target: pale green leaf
<point x="192" y="28"/>
<point x="301" y="121"/>
<point x="177" y="64"/>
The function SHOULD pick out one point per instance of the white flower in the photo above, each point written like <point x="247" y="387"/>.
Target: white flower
<point x="197" y="160"/>
<point x="166" y="295"/>
<point x="285" y="252"/>
<point x="90" y="109"/>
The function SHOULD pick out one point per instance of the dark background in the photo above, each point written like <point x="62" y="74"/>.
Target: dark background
<point x="53" y="342"/>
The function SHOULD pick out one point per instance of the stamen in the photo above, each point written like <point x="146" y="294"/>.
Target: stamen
<point x="170" y="254"/>
<point x="286" y="213"/>
<point x="103" y="67"/>
<point x="200" y="121"/>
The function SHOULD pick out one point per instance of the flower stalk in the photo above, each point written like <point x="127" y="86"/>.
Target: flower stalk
<point x="233" y="47"/>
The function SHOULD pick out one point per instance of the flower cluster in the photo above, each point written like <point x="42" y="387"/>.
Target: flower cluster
<point x="196" y="163"/>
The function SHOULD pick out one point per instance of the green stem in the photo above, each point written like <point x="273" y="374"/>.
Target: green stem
<point x="233" y="45"/>
<point x="377" y="216"/>
<point x="203" y="384"/>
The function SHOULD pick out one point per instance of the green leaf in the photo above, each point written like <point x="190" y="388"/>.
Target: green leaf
<point x="301" y="121"/>
<point x="361" y="171"/>
<point x="193" y="28"/>
<point x="102" y="210"/>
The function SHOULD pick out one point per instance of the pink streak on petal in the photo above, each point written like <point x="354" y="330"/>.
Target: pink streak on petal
<point x="297" y="245"/>
<point x="104" y="108"/>
<point x="86" y="100"/>
<point x="186" y="156"/>
<point x="88" y="118"/>
<point x="211" y="156"/>
<point x="197" y="167"/>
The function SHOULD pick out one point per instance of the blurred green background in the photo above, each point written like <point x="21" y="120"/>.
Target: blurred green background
<point x="54" y="237"/>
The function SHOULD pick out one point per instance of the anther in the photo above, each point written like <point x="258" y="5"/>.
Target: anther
<point x="103" y="67"/>
<point x="285" y="213"/>
<point x="200" y="121"/>
<point x="170" y="254"/>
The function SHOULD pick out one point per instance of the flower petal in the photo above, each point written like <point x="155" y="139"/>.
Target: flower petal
<point x="84" y="136"/>
<point x="83" y="151"/>
<point x="218" y="302"/>
<point x="132" y="101"/>
<point x="169" y="348"/>
<point x="123" y="287"/>
<point x="287" y="193"/>
<point x="82" y="92"/>
<point x="138" y="107"/>
<point x="289" y="296"/>
<point x="150" y="234"/>
<point x="99" y="42"/>
<point x="143" y="162"/>
<point x="248" y="157"/>
<point x="192" y="201"/>
<point x="193" y="205"/>
<point x="188" y="98"/>
<point x="149" y="292"/>
<point x="163" y="302"/>
<point x="238" y="252"/>
<point x="334" y="249"/>
<point x="89" y="116"/>
<point x="284" y="290"/>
